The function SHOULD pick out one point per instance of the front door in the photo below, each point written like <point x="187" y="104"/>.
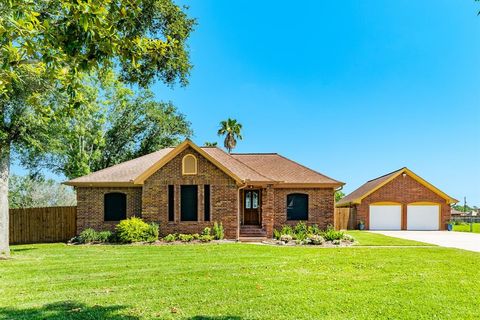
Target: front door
<point x="251" y="207"/>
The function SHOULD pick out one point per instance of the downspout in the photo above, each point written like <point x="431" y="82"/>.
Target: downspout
<point x="239" y="204"/>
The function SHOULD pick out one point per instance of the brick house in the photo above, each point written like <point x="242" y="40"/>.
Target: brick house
<point x="400" y="200"/>
<point x="187" y="188"/>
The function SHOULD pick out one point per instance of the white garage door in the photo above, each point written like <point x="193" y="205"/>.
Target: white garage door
<point x="385" y="217"/>
<point x="423" y="217"/>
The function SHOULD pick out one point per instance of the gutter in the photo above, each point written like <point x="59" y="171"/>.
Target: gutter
<point x="239" y="208"/>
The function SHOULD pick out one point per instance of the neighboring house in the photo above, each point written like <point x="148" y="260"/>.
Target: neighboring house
<point x="456" y="213"/>
<point x="187" y="188"/>
<point x="400" y="200"/>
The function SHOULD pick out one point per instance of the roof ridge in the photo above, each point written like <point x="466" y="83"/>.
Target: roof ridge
<point x="395" y="171"/>
<point x="251" y="153"/>
<point x="301" y="165"/>
<point x="246" y="165"/>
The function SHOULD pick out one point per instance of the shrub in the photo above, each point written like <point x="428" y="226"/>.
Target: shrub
<point x="348" y="237"/>
<point x="286" y="230"/>
<point x="286" y="238"/>
<point x="218" y="232"/>
<point x="195" y="236"/>
<point x="336" y="242"/>
<point x="185" y="237"/>
<point x="206" y="231"/>
<point x="276" y="234"/>
<point x="206" y="238"/>
<point x="136" y="230"/>
<point x="88" y="236"/>
<point x="331" y="234"/>
<point x="151" y="233"/>
<point x="316" y="239"/>
<point x="105" y="236"/>
<point x="314" y="230"/>
<point x="300" y="236"/>
<point x="170" y="238"/>
<point x="300" y="228"/>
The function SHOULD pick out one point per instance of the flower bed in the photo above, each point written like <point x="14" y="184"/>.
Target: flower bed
<point x="301" y="234"/>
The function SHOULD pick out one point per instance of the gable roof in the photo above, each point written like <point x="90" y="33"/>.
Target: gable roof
<point x="371" y="186"/>
<point x="243" y="168"/>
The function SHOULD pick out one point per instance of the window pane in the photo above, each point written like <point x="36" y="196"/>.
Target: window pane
<point x="297" y="206"/>
<point x="115" y="206"/>
<point x="171" y="203"/>
<point x="189" y="203"/>
<point x="206" y="202"/>
<point x="255" y="200"/>
<point x="248" y="200"/>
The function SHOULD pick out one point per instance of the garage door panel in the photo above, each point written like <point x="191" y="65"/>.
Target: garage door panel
<point x="423" y="217"/>
<point x="385" y="217"/>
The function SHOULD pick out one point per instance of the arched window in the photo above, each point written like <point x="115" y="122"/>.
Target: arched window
<point x="115" y="206"/>
<point x="297" y="206"/>
<point x="189" y="165"/>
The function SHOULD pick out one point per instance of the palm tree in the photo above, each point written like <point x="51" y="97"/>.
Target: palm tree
<point x="232" y="130"/>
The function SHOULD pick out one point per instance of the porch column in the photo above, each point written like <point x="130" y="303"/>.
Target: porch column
<point x="268" y="210"/>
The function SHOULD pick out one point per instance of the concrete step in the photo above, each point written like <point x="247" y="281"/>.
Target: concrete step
<point x="252" y="239"/>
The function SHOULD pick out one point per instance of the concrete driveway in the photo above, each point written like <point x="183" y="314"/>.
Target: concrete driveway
<point x="459" y="240"/>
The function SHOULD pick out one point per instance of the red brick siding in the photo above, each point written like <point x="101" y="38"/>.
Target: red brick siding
<point x="403" y="190"/>
<point x="223" y="195"/>
<point x="320" y="206"/>
<point x="90" y="206"/>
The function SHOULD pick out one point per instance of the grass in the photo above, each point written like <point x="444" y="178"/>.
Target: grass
<point x="466" y="227"/>
<point x="239" y="281"/>
<point x="364" y="238"/>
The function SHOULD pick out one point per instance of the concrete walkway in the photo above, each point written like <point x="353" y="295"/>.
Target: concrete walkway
<point x="460" y="240"/>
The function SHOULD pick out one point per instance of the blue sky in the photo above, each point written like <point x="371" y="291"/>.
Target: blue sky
<point x="353" y="89"/>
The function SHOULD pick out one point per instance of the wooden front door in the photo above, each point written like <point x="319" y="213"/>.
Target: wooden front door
<point x="251" y="207"/>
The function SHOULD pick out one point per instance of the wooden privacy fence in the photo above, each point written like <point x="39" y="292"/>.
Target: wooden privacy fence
<point x="341" y="218"/>
<point x="36" y="225"/>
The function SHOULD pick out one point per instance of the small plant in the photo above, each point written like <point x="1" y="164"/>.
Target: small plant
<point x="336" y="242"/>
<point x="286" y="230"/>
<point x="348" y="237"/>
<point x="314" y="229"/>
<point x="286" y="238"/>
<point x="206" y="231"/>
<point x="185" y="237"/>
<point x="136" y="230"/>
<point x="276" y="234"/>
<point x="300" y="227"/>
<point x="316" y="239"/>
<point x="170" y="237"/>
<point x="104" y="236"/>
<point x="218" y="232"/>
<point x="88" y="236"/>
<point x="206" y="238"/>
<point x="331" y="234"/>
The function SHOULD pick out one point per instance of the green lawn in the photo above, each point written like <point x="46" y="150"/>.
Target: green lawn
<point x="365" y="238"/>
<point x="239" y="281"/>
<point x="466" y="228"/>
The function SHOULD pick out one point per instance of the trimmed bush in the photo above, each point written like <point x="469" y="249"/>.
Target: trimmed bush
<point x="206" y="238"/>
<point x="136" y="230"/>
<point x="105" y="236"/>
<point x="218" y="232"/>
<point x="331" y="234"/>
<point x="185" y="237"/>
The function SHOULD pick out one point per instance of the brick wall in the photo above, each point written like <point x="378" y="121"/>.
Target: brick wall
<point x="223" y="194"/>
<point x="320" y="206"/>
<point x="90" y="206"/>
<point x="403" y="190"/>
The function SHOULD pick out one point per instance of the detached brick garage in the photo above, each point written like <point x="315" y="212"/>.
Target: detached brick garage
<point x="400" y="200"/>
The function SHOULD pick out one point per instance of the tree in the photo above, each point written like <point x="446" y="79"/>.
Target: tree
<point x="231" y="129"/>
<point x="210" y="144"/>
<point x="28" y="192"/>
<point x="339" y="195"/>
<point x="110" y="127"/>
<point x="46" y="47"/>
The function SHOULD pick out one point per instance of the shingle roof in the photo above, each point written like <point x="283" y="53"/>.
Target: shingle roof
<point x="279" y="168"/>
<point x="262" y="168"/>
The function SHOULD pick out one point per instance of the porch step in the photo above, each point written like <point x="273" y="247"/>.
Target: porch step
<point x="252" y="231"/>
<point x="252" y="239"/>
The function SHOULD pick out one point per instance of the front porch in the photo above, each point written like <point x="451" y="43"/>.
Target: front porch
<point x="256" y="213"/>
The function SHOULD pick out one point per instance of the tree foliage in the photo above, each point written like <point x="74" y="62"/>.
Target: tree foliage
<point x="232" y="130"/>
<point x="28" y="192"/>
<point x="339" y="195"/>
<point x="48" y="47"/>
